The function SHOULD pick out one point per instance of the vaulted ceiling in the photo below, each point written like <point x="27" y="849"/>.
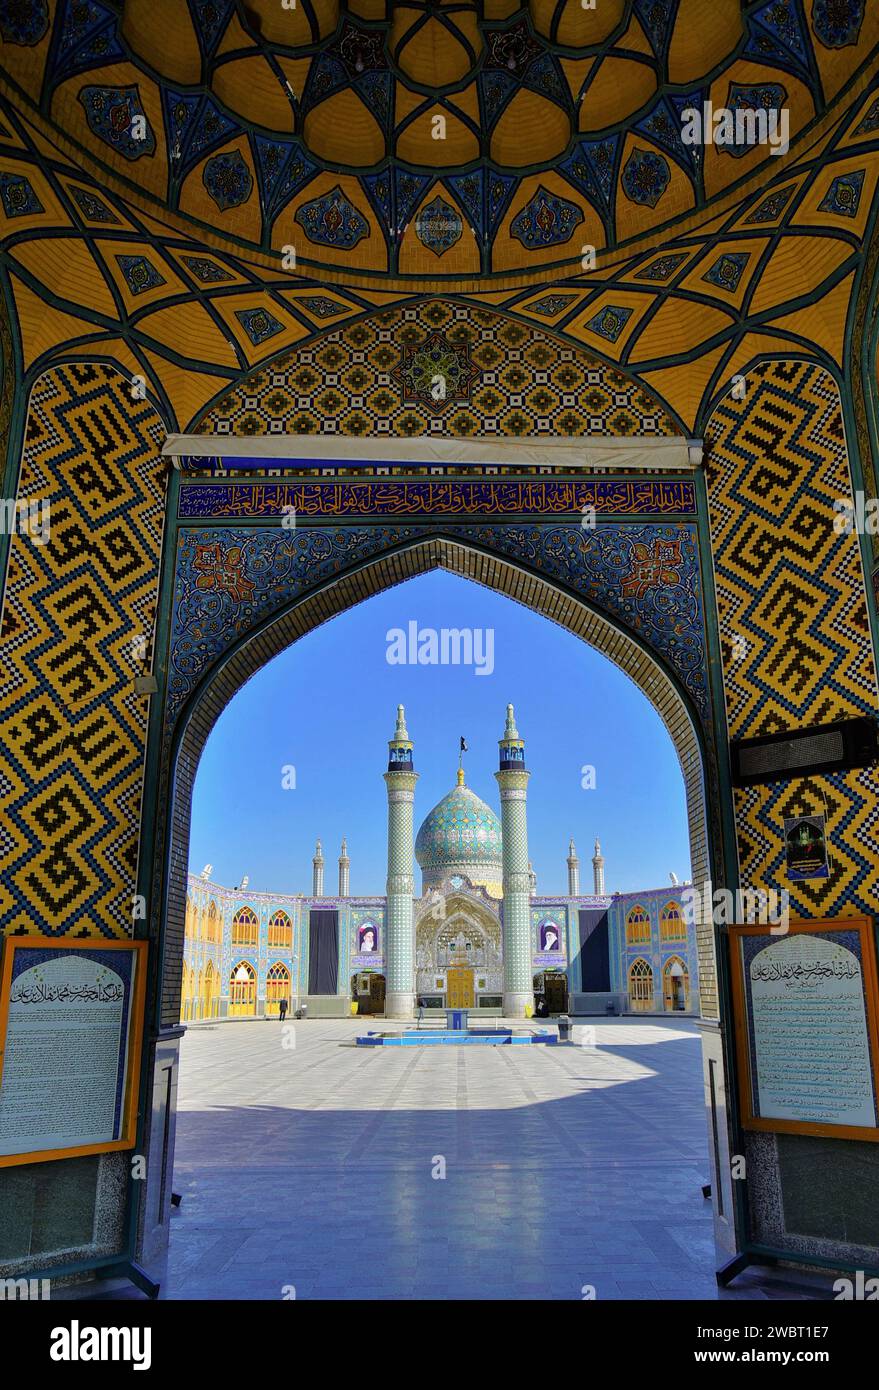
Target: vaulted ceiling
<point x="428" y="140"/>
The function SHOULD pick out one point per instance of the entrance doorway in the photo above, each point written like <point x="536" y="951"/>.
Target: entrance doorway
<point x="368" y="992"/>
<point x="376" y="994"/>
<point x="277" y="988"/>
<point x="675" y="985"/>
<point x="242" y="991"/>
<point x="469" y="914"/>
<point x="459" y="987"/>
<point x="640" y="986"/>
<point x="555" y="991"/>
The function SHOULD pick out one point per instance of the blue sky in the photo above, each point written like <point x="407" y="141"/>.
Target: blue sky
<point x="326" y="707"/>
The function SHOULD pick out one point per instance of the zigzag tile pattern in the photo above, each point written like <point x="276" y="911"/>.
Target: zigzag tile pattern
<point x="793" y="618"/>
<point x="850" y="803"/>
<point x="77" y="611"/>
<point x="777" y="462"/>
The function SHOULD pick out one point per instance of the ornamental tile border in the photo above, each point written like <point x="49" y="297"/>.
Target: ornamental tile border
<point x="645" y="577"/>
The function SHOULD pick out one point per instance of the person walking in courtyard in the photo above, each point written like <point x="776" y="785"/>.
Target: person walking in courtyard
<point x="282" y="1009"/>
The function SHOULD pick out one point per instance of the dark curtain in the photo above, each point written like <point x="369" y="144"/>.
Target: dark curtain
<point x="594" y="950"/>
<point x="323" y="951"/>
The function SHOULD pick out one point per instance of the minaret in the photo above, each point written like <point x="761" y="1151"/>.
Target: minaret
<point x="598" y="869"/>
<point x="344" y="872"/>
<point x="400" y="780"/>
<point x="512" y="779"/>
<point x="317" y="872"/>
<point x="573" y="872"/>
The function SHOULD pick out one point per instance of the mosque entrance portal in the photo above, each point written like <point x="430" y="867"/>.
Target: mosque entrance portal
<point x="555" y="992"/>
<point x="368" y="993"/>
<point x="459" y="987"/>
<point x="450" y="950"/>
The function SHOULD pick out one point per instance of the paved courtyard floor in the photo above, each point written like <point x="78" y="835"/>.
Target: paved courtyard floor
<point x="319" y="1167"/>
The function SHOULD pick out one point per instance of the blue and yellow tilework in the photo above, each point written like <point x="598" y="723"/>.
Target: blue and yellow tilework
<point x="793" y="616"/>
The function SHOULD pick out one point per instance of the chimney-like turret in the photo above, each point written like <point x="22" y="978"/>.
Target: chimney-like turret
<point x="573" y="872"/>
<point x="344" y="872"/>
<point x="598" y="869"/>
<point x="317" y="872"/>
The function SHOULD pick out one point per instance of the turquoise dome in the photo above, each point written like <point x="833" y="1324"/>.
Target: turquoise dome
<point x="460" y="833"/>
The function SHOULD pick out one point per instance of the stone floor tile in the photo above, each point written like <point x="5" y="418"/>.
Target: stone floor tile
<point x="565" y="1167"/>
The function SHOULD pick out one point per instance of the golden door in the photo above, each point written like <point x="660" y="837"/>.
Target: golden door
<point x="459" y="987"/>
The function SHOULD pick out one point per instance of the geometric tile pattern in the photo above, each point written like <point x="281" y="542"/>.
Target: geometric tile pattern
<point x="258" y="324"/>
<point x="349" y="383"/>
<point x="546" y="221"/>
<point x="140" y="274"/>
<point x="645" y="177"/>
<point x="76" y="627"/>
<point x="610" y="322"/>
<point x="17" y="196"/>
<point x="850" y="803"/>
<point x="794" y="629"/>
<point x="727" y="271"/>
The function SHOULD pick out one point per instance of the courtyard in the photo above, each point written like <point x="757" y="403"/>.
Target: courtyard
<point x="316" y="1170"/>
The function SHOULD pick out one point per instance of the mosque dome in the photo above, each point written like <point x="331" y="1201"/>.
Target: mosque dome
<point x="461" y="835"/>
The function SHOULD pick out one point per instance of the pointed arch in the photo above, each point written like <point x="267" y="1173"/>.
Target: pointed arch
<point x="672" y="925"/>
<point x="675" y="985"/>
<point x="500" y="572"/>
<point x="245" y="927"/>
<point x="242" y="990"/>
<point x="278" y="983"/>
<point x="209" y="991"/>
<point x="638" y="927"/>
<point x="640" y="986"/>
<point x="280" y="931"/>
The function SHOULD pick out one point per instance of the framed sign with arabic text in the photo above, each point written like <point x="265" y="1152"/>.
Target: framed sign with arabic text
<point x="806" y="1006"/>
<point x="71" y="1027"/>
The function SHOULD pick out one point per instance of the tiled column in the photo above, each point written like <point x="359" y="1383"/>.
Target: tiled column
<point x="512" y="779"/>
<point x="400" y="780"/>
